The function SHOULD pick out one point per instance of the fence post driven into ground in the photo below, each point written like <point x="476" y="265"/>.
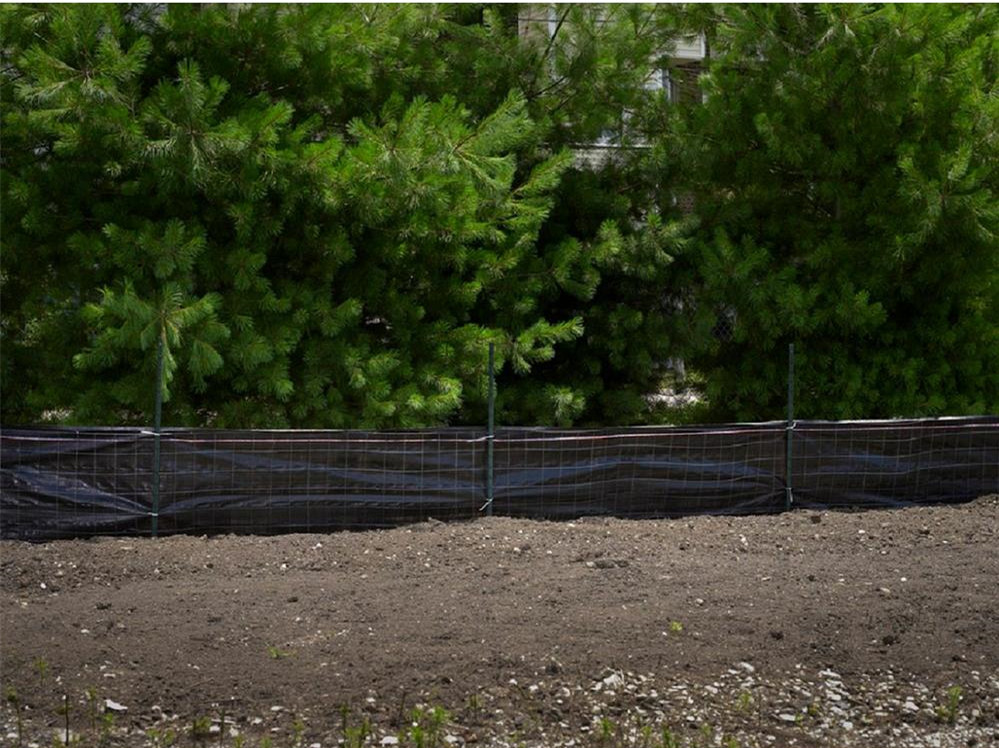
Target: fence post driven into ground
<point x="789" y="430"/>
<point x="490" y="433"/>
<point x="157" y="422"/>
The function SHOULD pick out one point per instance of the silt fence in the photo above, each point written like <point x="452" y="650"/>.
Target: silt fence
<point x="63" y="482"/>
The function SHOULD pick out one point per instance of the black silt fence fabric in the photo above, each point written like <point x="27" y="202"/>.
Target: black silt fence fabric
<point x="894" y="463"/>
<point x="74" y="482"/>
<point x="63" y="483"/>
<point x="640" y="472"/>
<point x="309" y="481"/>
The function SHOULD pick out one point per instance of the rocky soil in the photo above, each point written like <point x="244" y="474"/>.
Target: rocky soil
<point x="834" y="629"/>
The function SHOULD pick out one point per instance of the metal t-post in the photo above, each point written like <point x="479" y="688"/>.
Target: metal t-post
<point x="157" y="420"/>
<point x="789" y="429"/>
<point x="491" y="430"/>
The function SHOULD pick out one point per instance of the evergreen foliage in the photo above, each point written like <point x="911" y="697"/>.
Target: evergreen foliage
<point x="326" y="212"/>
<point x="845" y="167"/>
<point x="268" y="190"/>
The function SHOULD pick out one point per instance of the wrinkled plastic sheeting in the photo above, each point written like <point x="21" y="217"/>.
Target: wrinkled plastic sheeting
<point x="895" y="462"/>
<point x="63" y="483"/>
<point x="75" y="482"/>
<point x="307" y="481"/>
<point x="640" y="472"/>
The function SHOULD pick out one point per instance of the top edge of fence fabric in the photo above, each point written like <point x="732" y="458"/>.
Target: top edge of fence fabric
<point x="168" y="430"/>
<point x="56" y="434"/>
<point x="553" y="436"/>
<point x="329" y="440"/>
<point x="502" y="435"/>
<point x="124" y="430"/>
<point x="644" y="427"/>
<point x="470" y="435"/>
<point x="810" y="427"/>
<point x="984" y="417"/>
<point x="65" y="438"/>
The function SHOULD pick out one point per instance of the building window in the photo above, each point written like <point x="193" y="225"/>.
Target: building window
<point x="682" y="85"/>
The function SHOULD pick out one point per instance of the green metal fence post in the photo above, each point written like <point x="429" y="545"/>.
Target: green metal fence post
<point x="157" y="420"/>
<point x="789" y="429"/>
<point x="491" y="430"/>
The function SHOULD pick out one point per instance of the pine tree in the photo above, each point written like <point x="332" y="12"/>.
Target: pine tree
<point x="584" y="70"/>
<point x="845" y="172"/>
<point x="327" y="213"/>
<point x="279" y="194"/>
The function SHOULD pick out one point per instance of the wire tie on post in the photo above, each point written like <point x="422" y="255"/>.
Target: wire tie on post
<point x="489" y="438"/>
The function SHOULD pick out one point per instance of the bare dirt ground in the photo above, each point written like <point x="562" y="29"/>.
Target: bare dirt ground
<point x="833" y="629"/>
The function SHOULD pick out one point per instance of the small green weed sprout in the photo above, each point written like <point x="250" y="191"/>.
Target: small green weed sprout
<point x="645" y="733"/>
<point x="297" y="733"/>
<point x="276" y="653"/>
<point x="356" y="736"/>
<point x="427" y="726"/>
<point x="107" y="727"/>
<point x="161" y="738"/>
<point x="669" y="740"/>
<point x="745" y="701"/>
<point x="474" y="707"/>
<point x="947" y="712"/>
<point x="14" y="700"/>
<point x="101" y="724"/>
<point x="93" y="712"/>
<point x="42" y="668"/>
<point x="606" y="729"/>
<point x="201" y="729"/>
<point x="675" y="627"/>
<point x="707" y="733"/>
